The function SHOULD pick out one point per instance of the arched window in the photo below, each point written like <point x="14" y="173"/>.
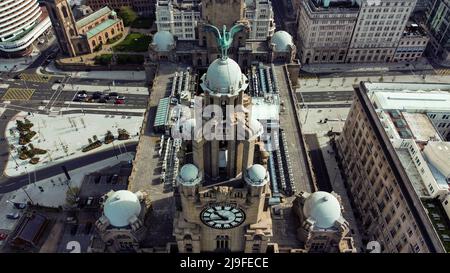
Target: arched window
<point x="187" y="243"/>
<point x="72" y="32"/>
<point x="112" y="32"/>
<point x="64" y="11"/>
<point x="222" y="243"/>
<point x="93" y="43"/>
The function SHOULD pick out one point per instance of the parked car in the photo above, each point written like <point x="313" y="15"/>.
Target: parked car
<point x="113" y="94"/>
<point x="13" y="215"/>
<point x="119" y="102"/>
<point x="16" y="77"/>
<point x="82" y="94"/>
<point x="120" y="98"/>
<point x="3" y="236"/>
<point x="58" y="81"/>
<point x="102" y="100"/>
<point x="20" y="205"/>
<point x="97" y="95"/>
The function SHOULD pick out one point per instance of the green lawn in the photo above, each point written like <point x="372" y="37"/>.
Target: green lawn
<point x="134" y="42"/>
<point x="103" y="59"/>
<point x="143" y="22"/>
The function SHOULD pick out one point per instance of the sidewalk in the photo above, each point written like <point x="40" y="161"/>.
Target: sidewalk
<point x="103" y="75"/>
<point x="99" y="88"/>
<point x="422" y="64"/>
<point x="18" y="64"/>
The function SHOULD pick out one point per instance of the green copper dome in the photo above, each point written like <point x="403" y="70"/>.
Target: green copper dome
<point x="120" y="207"/>
<point x="323" y="208"/>
<point x="282" y="41"/>
<point x="189" y="175"/>
<point x="256" y="175"/>
<point x="224" y="76"/>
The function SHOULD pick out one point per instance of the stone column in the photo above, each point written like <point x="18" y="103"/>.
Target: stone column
<point x="198" y="153"/>
<point x="214" y="158"/>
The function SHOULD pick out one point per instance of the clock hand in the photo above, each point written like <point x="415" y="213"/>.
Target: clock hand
<point x="220" y="215"/>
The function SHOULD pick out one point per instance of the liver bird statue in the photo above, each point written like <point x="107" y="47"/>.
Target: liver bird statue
<point x="224" y="39"/>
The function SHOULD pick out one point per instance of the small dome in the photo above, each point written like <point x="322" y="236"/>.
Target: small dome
<point x="256" y="175"/>
<point x="323" y="208"/>
<point x="120" y="207"/>
<point x="224" y="76"/>
<point x="163" y="40"/>
<point x="189" y="175"/>
<point x="282" y="41"/>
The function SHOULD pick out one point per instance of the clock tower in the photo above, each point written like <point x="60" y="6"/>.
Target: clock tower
<point x="223" y="186"/>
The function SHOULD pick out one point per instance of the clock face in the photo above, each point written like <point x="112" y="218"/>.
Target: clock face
<point x="222" y="216"/>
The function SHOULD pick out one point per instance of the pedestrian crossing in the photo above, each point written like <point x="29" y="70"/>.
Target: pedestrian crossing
<point x="34" y="78"/>
<point x="18" y="94"/>
<point x="442" y="72"/>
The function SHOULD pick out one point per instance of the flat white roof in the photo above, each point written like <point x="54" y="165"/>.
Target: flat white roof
<point x="421" y="126"/>
<point x="412" y="97"/>
<point x="263" y="110"/>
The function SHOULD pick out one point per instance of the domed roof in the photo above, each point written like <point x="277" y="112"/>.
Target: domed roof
<point x="189" y="174"/>
<point x="323" y="208"/>
<point x="163" y="40"/>
<point x="224" y="76"/>
<point x="282" y="41"/>
<point x="256" y="175"/>
<point x="120" y="207"/>
<point x="249" y="3"/>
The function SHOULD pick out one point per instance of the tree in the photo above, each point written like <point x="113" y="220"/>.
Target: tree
<point x="71" y="195"/>
<point x="128" y="15"/>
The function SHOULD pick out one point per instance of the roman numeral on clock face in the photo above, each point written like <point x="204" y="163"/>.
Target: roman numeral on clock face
<point x="223" y="216"/>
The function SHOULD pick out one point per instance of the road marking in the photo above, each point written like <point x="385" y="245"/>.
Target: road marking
<point x="34" y="78"/>
<point x="18" y="94"/>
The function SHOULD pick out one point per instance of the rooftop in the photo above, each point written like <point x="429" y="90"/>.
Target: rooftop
<point x="404" y="113"/>
<point x="93" y="16"/>
<point x="410" y="97"/>
<point x="413" y="30"/>
<point x="333" y="5"/>
<point x="101" y="27"/>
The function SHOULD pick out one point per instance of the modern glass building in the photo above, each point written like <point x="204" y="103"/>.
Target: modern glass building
<point x="21" y="23"/>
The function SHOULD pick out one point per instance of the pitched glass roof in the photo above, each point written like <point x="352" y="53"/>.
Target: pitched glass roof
<point x="162" y="112"/>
